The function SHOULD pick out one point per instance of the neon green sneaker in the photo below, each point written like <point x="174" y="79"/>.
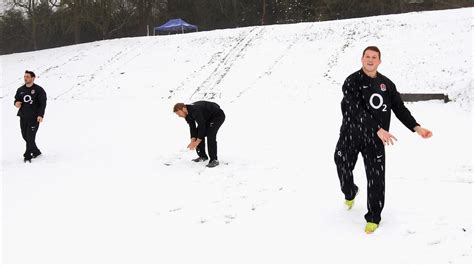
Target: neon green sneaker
<point x="371" y="227"/>
<point x="349" y="204"/>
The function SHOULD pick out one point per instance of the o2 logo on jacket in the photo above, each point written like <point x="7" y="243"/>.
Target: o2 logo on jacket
<point x="380" y="104"/>
<point x="27" y="99"/>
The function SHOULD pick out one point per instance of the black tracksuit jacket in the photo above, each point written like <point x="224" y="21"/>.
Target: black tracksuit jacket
<point x="368" y="102"/>
<point x="202" y="113"/>
<point x="33" y="101"/>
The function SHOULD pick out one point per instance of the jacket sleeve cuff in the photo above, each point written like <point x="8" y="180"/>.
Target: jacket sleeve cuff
<point x="412" y="128"/>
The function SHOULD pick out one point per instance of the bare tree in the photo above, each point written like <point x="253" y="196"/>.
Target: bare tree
<point x="144" y="11"/>
<point x="109" y="16"/>
<point x="76" y="8"/>
<point x="29" y="7"/>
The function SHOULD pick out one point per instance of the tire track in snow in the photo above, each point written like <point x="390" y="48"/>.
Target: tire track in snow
<point x="86" y="80"/>
<point x="207" y="88"/>
<point x="271" y="68"/>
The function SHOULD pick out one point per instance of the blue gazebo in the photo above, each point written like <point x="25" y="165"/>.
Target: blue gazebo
<point x="175" y="26"/>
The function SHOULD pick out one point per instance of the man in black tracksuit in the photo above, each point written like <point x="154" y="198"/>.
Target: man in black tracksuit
<point x="369" y="98"/>
<point x="209" y="117"/>
<point x="31" y="101"/>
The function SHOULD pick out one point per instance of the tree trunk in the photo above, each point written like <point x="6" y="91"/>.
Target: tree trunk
<point x="76" y="22"/>
<point x="141" y="17"/>
<point x="33" y="25"/>
<point x="235" y="13"/>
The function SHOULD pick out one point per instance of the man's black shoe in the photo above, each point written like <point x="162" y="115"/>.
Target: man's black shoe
<point x="213" y="163"/>
<point x="200" y="159"/>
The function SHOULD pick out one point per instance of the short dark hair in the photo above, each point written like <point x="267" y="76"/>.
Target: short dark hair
<point x="32" y="74"/>
<point x="372" y="48"/>
<point x="178" y="106"/>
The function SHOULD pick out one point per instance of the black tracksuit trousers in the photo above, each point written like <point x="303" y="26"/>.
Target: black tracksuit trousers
<point x="373" y="151"/>
<point x="29" y="127"/>
<point x="211" y="133"/>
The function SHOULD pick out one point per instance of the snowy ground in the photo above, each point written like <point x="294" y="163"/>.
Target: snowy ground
<point x="116" y="184"/>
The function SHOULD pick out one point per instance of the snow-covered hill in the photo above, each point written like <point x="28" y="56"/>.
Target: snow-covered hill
<point x="102" y="192"/>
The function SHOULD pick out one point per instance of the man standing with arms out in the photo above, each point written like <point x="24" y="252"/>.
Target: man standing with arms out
<point x="369" y="98"/>
<point x="209" y="118"/>
<point x="30" y="99"/>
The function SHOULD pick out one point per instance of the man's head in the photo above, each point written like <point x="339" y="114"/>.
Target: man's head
<point x="180" y="110"/>
<point x="29" y="77"/>
<point x="371" y="59"/>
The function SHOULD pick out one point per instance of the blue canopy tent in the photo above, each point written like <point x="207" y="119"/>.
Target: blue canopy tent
<point x="175" y="26"/>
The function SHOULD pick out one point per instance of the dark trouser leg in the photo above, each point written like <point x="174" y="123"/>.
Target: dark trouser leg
<point x="29" y="127"/>
<point x="214" y="126"/>
<point x="201" y="149"/>
<point x="345" y="158"/>
<point x="374" y="160"/>
<point x="23" y="126"/>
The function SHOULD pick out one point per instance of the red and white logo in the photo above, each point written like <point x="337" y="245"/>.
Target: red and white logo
<point x="32" y="91"/>
<point x="383" y="87"/>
